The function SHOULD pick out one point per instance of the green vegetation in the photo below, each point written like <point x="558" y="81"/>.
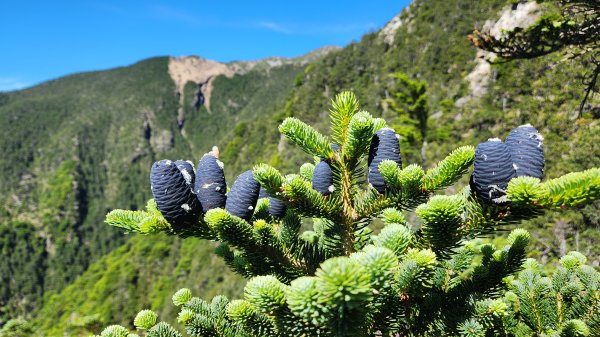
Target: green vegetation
<point x="431" y="46"/>
<point x="22" y="278"/>
<point x="58" y="176"/>
<point x="114" y="284"/>
<point x="408" y="112"/>
<point x="571" y="27"/>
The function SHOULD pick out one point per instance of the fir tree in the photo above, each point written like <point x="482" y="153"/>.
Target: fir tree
<point x="408" y="102"/>
<point x="340" y="278"/>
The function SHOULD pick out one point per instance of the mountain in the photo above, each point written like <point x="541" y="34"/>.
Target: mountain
<point x="83" y="144"/>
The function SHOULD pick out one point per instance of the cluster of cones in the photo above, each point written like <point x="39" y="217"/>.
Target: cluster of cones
<point x="497" y="162"/>
<point x="182" y="195"/>
<point x="385" y="145"/>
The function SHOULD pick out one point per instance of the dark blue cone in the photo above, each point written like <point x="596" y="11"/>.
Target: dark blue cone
<point x="322" y="180"/>
<point x="243" y="196"/>
<point x="493" y="169"/>
<point x="210" y="187"/>
<point x="186" y="169"/>
<point x="526" y="149"/>
<point x="277" y="208"/>
<point x="385" y="145"/>
<point x="262" y="193"/>
<point x="171" y="184"/>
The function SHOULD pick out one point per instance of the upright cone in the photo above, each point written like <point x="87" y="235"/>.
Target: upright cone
<point x="171" y="184"/>
<point x="277" y="208"/>
<point x="527" y="151"/>
<point x="322" y="179"/>
<point x="210" y="186"/>
<point x="493" y="169"/>
<point x="384" y="146"/>
<point x="243" y="196"/>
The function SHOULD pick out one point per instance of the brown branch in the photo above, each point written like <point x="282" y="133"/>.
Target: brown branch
<point x="590" y="88"/>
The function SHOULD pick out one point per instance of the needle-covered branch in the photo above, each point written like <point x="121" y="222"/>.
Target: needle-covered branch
<point x="306" y="137"/>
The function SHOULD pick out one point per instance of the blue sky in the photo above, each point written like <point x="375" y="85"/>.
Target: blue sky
<point x="42" y="40"/>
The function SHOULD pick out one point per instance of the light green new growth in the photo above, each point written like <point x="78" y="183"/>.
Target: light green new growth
<point x="351" y="264"/>
<point x="360" y="128"/>
<point x="114" y="331"/>
<point x="307" y="170"/>
<point x="145" y="319"/>
<point x="309" y="139"/>
<point x="572" y="189"/>
<point x="182" y="296"/>
<point x="449" y="170"/>
<point x="344" y="106"/>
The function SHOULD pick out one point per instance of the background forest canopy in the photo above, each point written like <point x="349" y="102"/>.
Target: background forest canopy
<point x="62" y="268"/>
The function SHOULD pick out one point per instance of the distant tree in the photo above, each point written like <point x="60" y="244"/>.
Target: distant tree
<point x="407" y="112"/>
<point x="17" y="327"/>
<point x="571" y="27"/>
<point x="408" y="100"/>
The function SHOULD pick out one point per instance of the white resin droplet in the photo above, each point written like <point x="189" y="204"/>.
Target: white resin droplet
<point x="186" y="176"/>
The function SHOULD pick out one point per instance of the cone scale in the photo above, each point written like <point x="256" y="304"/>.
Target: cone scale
<point x="526" y="148"/>
<point x="322" y="179"/>
<point x="493" y="169"/>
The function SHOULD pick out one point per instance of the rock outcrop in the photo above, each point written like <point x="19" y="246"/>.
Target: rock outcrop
<point x="511" y="17"/>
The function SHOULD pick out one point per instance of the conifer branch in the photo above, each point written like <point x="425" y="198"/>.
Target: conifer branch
<point x="343" y="108"/>
<point x="449" y="170"/>
<point x="307" y="138"/>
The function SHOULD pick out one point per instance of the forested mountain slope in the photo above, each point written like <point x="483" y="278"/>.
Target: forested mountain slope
<point x="76" y="147"/>
<point x="62" y="172"/>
